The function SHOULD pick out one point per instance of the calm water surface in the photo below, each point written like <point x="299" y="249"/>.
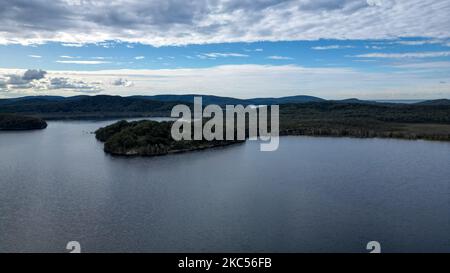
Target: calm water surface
<point x="312" y="195"/>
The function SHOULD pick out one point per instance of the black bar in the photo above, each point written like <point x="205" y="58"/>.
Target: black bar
<point x="172" y="262"/>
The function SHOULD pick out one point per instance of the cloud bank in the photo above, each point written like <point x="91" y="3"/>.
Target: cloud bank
<point x="416" y="81"/>
<point x="34" y="81"/>
<point x="180" y="22"/>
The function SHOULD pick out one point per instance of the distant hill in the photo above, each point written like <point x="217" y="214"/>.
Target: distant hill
<point x="209" y="99"/>
<point x="189" y="98"/>
<point x="445" y="102"/>
<point x="31" y="99"/>
<point x="355" y="101"/>
<point x="105" y="106"/>
<point x="284" y="100"/>
<point x="86" y="107"/>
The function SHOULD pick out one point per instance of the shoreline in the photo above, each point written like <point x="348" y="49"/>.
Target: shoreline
<point x="174" y="152"/>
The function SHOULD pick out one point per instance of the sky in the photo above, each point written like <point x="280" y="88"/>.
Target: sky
<point x="334" y="49"/>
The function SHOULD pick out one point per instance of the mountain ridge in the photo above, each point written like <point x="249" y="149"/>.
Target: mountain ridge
<point x="212" y="99"/>
<point x="107" y="106"/>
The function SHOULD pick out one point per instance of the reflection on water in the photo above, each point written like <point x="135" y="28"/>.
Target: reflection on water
<point x="312" y="195"/>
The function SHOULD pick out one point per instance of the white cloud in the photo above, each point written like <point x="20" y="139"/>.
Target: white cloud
<point x="375" y="47"/>
<point x="375" y="2"/>
<point x="419" y="42"/>
<point x="82" y="62"/>
<point x="122" y="82"/>
<point x="3" y="84"/>
<point x="242" y="81"/>
<point x="71" y="44"/>
<point x="139" y="57"/>
<point x="180" y="22"/>
<point x="331" y="47"/>
<point x="79" y="86"/>
<point x="35" y="56"/>
<point x="33" y="81"/>
<point x="214" y="55"/>
<point x="34" y="74"/>
<point x="22" y="79"/>
<point x="254" y="50"/>
<point x="433" y="54"/>
<point x="276" y="57"/>
<point x="424" y="65"/>
<point x="67" y="57"/>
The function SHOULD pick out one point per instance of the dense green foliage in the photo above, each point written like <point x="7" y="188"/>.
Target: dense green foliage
<point x="315" y="119"/>
<point x="87" y="107"/>
<point x="148" y="138"/>
<point x="366" y="120"/>
<point x="380" y="112"/>
<point x="51" y="107"/>
<point x="15" y="122"/>
<point x="299" y="115"/>
<point x="102" y="106"/>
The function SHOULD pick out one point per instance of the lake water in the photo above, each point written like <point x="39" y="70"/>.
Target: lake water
<point x="312" y="195"/>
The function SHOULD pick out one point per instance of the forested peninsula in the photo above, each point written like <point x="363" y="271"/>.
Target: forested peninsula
<point x="149" y="138"/>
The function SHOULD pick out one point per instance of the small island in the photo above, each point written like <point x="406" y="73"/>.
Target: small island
<point x="17" y="122"/>
<point x="149" y="138"/>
